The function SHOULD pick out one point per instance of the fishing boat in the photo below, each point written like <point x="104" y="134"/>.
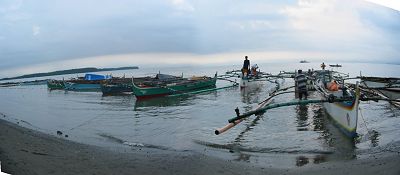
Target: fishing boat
<point x="304" y="61"/>
<point x="118" y="85"/>
<point x="341" y="104"/>
<point x="335" y="65"/>
<point x="162" y="85"/>
<point x="344" y="113"/>
<point x="386" y="86"/>
<point x="55" y="84"/>
<point x="251" y="79"/>
<point x="91" y="82"/>
<point x="111" y="88"/>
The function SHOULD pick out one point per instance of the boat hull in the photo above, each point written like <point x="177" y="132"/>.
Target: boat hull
<point x="249" y="83"/>
<point x="70" y="86"/>
<point x="55" y="84"/>
<point x="173" y="88"/>
<point x="344" y="115"/>
<point x="116" y="89"/>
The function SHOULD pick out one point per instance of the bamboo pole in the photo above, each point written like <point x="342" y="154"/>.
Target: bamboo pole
<point x="204" y="90"/>
<point x="272" y="106"/>
<point x="227" y="127"/>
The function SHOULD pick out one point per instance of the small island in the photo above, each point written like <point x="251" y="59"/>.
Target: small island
<point x="70" y="71"/>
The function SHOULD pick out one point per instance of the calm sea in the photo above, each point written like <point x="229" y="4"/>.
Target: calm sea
<point x="283" y="137"/>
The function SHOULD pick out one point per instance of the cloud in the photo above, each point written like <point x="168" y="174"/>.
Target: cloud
<point x="182" y="5"/>
<point x="394" y="4"/>
<point x="336" y="25"/>
<point x="333" y="29"/>
<point x="327" y="18"/>
<point x="35" y="30"/>
<point x="7" y="6"/>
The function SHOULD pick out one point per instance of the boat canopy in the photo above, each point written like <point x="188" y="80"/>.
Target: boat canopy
<point x="97" y="77"/>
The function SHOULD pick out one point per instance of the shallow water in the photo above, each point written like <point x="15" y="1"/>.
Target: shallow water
<point x="283" y="137"/>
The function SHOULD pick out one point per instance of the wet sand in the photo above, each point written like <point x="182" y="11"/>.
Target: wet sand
<point x="25" y="151"/>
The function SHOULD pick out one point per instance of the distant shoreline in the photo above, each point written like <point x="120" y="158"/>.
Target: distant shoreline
<point x="69" y="71"/>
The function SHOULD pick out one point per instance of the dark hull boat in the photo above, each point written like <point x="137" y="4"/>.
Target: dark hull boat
<point x="163" y="85"/>
<point x="117" y="86"/>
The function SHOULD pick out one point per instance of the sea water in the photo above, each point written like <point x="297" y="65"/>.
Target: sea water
<point x="290" y="136"/>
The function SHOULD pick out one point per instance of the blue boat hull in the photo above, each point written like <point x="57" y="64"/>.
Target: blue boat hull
<point x="82" y="87"/>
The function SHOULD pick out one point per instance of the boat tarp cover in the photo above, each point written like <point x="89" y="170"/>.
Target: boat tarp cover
<point x="165" y="77"/>
<point x="96" y="77"/>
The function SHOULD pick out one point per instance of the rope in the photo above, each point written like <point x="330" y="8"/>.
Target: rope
<point x="365" y="124"/>
<point x="88" y="121"/>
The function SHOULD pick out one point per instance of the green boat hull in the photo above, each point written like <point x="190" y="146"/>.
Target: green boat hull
<point x="55" y="84"/>
<point x="172" y="88"/>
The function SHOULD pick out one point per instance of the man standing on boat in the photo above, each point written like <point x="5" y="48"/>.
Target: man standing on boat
<point x="323" y="66"/>
<point x="246" y="66"/>
<point x="301" y="81"/>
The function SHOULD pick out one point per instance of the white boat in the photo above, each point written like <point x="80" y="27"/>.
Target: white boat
<point x="344" y="114"/>
<point x="252" y="80"/>
<point x="249" y="82"/>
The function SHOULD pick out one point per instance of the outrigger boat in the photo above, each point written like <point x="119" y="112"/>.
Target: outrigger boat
<point x="117" y="86"/>
<point x="389" y="87"/>
<point x="341" y="104"/>
<point x="250" y="79"/>
<point x="335" y="65"/>
<point x="91" y="82"/>
<point x="163" y="85"/>
<point x="121" y="85"/>
<point x="55" y="84"/>
<point x="343" y="113"/>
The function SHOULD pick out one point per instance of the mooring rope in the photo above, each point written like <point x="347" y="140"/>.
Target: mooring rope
<point x="365" y="124"/>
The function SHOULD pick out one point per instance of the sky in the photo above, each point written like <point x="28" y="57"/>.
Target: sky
<point x="48" y="35"/>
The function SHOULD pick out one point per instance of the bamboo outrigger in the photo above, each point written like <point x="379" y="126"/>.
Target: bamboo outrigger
<point x="341" y="105"/>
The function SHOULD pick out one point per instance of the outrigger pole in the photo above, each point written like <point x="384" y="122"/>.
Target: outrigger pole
<point x="239" y="117"/>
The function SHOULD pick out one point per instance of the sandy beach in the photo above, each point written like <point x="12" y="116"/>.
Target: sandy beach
<point x="25" y="151"/>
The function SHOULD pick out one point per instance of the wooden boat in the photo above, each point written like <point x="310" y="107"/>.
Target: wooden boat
<point x="304" y="61"/>
<point x="163" y="85"/>
<point x="55" y="84"/>
<point x="389" y="87"/>
<point x="83" y="85"/>
<point x="91" y="82"/>
<point x="120" y="85"/>
<point x="120" y="88"/>
<point x="335" y="65"/>
<point x="249" y="82"/>
<point x="252" y="79"/>
<point x="344" y="114"/>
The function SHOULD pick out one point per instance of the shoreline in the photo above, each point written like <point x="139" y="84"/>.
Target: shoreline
<point x="26" y="151"/>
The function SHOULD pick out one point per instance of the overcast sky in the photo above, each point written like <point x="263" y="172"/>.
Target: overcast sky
<point x="49" y="35"/>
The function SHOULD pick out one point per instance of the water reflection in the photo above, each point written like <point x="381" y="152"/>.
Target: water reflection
<point x="343" y="146"/>
<point x="302" y="117"/>
<point x="301" y="161"/>
<point x="251" y="94"/>
<point x="163" y="102"/>
<point x="317" y="159"/>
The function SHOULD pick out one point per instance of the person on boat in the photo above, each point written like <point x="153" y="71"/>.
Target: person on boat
<point x="333" y="86"/>
<point x="301" y="81"/>
<point x="323" y="66"/>
<point x="246" y="67"/>
<point x="254" y="70"/>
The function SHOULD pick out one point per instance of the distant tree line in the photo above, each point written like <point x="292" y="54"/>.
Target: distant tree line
<point x="69" y="71"/>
